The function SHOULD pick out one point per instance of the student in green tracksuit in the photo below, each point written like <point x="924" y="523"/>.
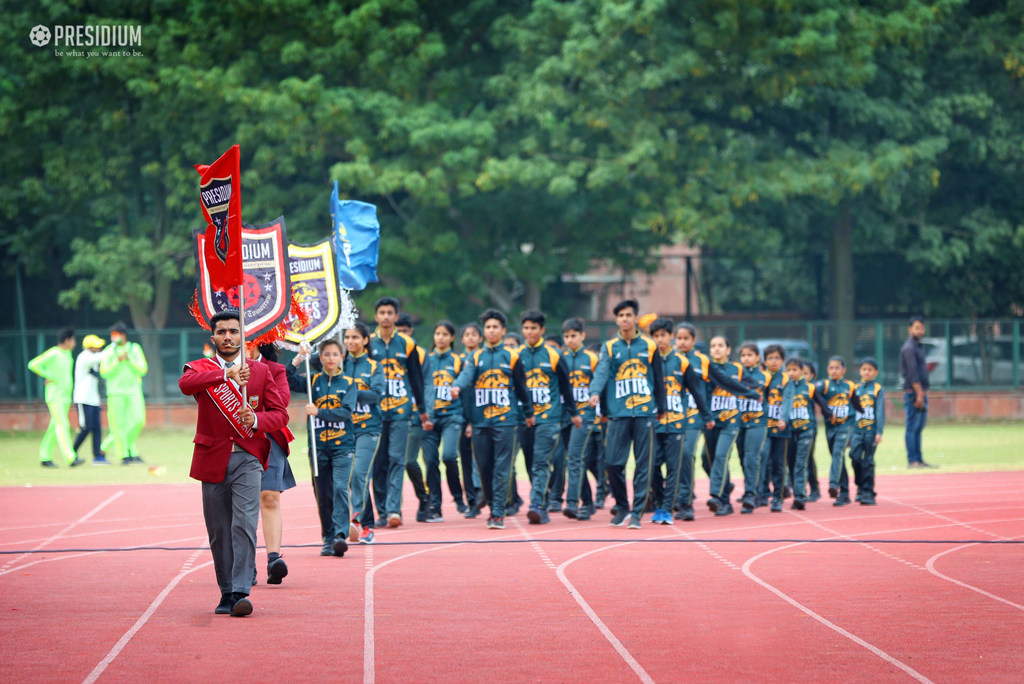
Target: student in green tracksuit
<point x="334" y="399"/>
<point x="869" y="422"/>
<point x="445" y="419"/>
<point x="403" y="324"/>
<point x="123" y="367"/>
<point x="801" y="425"/>
<point x="697" y="424"/>
<point x="494" y="377"/>
<point x="580" y="364"/>
<point x="55" y="366"/>
<point x="838" y="393"/>
<point x="629" y="368"/>
<point x="546" y="379"/>
<point x="753" y="423"/>
<point x="403" y="389"/>
<point x="778" y="404"/>
<point x="725" y="376"/>
<point x="681" y="386"/>
<point x="366" y="422"/>
<point x="472" y="338"/>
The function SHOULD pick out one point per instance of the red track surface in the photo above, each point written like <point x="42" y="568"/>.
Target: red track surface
<point x="740" y="598"/>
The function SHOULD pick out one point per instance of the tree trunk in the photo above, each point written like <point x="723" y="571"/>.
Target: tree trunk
<point x="841" y="289"/>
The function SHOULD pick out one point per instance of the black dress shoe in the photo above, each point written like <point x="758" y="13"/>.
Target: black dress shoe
<point x="242" y="605"/>
<point x="48" y="464"/>
<point x="277" y="569"/>
<point x="224" y="607"/>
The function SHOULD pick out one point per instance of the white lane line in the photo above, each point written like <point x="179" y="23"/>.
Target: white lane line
<point x="64" y="531"/>
<point x="534" y="545"/>
<point x="144" y="618"/>
<point x="930" y="564"/>
<point x="369" y="673"/>
<point x="623" y="652"/>
<point x="823" y="620"/>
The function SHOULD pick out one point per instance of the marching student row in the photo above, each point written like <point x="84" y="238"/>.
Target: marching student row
<point x="572" y="411"/>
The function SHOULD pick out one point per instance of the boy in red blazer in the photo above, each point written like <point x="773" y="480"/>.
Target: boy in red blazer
<point x="230" y="454"/>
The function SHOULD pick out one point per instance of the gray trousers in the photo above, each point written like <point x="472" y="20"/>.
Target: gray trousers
<point x="231" y="508"/>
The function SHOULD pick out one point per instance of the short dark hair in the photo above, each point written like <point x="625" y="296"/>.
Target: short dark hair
<point x="225" y="315"/>
<point x="554" y="340"/>
<point x="474" y="326"/>
<point x="869" y="361"/>
<point x="916" y="318"/>
<point x="627" y="303"/>
<point x="840" y="359"/>
<point x="724" y="339"/>
<point x="515" y="336"/>
<point x="120" y="327"/>
<point x="775" y="349"/>
<point x="65" y="334"/>
<point x="574" y="323"/>
<point x="496" y="315"/>
<point x="752" y="346"/>
<point x="796" y="361"/>
<point x="447" y="325"/>
<point x="665" y="324"/>
<point x="808" y="366"/>
<point x="533" y="316"/>
<point x="404" y="320"/>
<point x="386" y="301"/>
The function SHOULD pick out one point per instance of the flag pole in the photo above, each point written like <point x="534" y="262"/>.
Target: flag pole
<point x="312" y="428"/>
<point x="241" y="325"/>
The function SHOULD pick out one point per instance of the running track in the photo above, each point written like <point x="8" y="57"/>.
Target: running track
<point x="926" y="586"/>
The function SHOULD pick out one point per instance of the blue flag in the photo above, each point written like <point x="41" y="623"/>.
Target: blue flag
<point x="356" y="237"/>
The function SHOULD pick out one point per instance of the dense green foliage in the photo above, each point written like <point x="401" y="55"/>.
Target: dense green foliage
<point x="508" y="142"/>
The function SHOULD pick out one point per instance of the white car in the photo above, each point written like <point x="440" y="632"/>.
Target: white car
<point x="974" y="362"/>
<point x="795" y="348"/>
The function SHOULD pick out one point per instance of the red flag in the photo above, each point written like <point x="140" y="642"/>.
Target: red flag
<point x="221" y="198"/>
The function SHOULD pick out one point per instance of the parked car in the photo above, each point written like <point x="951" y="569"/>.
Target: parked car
<point x="794" y="348"/>
<point x="974" y="361"/>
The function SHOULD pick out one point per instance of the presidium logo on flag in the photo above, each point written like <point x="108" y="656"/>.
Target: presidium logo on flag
<point x="221" y="198"/>
<point x="315" y="290"/>
<point x="265" y="284"/>
<point x="356" y="235"/>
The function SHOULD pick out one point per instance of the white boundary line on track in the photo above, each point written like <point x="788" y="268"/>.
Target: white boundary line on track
<point x="144" y="618"/>
<point x="65" y="530"/>
<point x="930" y="565"/>
<point x="369" y="654"/>
<point x="828" y="623"/>
<point x="641" y="673"/>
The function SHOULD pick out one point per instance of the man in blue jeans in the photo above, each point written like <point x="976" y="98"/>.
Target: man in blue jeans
<point x="914" y="372"/>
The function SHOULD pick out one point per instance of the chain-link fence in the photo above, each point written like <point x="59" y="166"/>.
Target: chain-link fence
<point x="961" y="354"/>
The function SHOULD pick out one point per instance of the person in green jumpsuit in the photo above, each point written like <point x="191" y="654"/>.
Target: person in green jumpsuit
<point x="123" y="367"/>
<point x="55" y="366"/>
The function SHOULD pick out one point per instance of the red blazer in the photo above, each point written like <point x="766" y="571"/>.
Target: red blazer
<point x="280" y="377"/>
<point x="215" y="435"/>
